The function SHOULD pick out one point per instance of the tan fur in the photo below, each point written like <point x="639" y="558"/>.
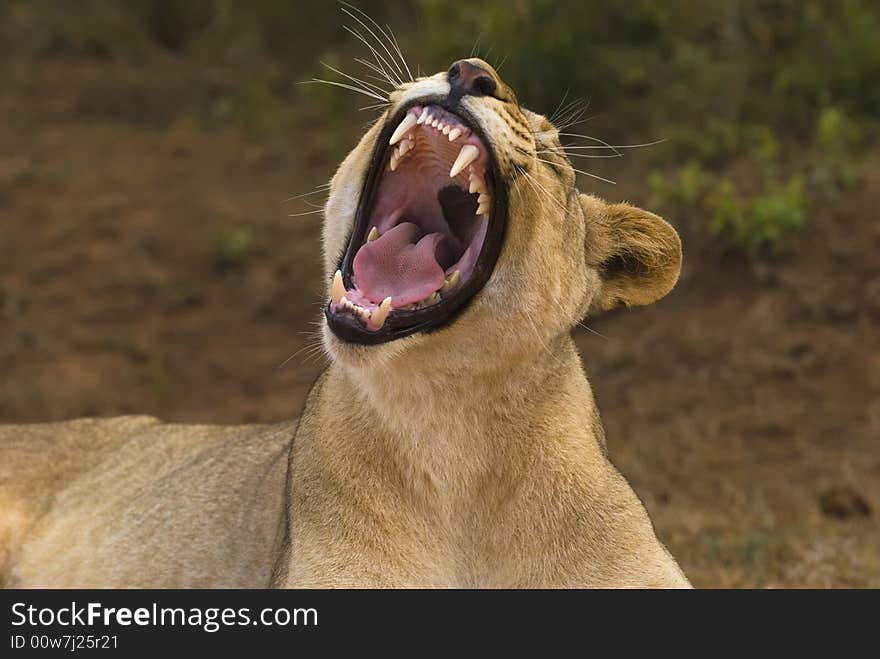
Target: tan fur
<point x="471" y="456"/>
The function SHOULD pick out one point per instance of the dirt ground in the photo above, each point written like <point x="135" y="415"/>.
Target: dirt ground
<point x="148" y="264"/>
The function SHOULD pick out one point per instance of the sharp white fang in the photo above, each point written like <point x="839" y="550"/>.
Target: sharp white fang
<point x="337" y="290"/>
<point x="466" y="156"/>
<point x="380" y="314"/>
<point x="374" y="233"/>
<point x="408" y="122"/>
<point x="454" y="134"/>
<point x="424" y="115"/>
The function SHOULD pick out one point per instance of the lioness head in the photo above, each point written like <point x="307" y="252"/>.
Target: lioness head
<point x="448" y="237"/>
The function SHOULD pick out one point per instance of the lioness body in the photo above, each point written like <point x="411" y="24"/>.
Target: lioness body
<point x="132" y="502"/>
<point x="470" y="455"/>
<point x="512" y="489"/>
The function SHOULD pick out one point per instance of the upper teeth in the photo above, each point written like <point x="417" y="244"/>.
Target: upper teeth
<point x="408" y="122"/>
<point x="477" y="184"/>
<point x="403" y="141"/>
<point x="466" y="156"/>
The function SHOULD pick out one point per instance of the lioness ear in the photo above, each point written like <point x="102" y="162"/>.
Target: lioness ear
<point x="637" y="254"/>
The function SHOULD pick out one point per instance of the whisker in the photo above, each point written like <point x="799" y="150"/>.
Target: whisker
<point x="389" y="37"/>
<point x="373" y="106"/>
<point x="616" y="146"/>
<point x="568" y="115"/>
<point x="589" y="137"/>
<point x="552" y="117"/>
<point x="476" y="44"/>
<point x="576" y="117"/>
<point x="595" y="176"/>
<point x="400" y="52"/>
<point x="344" y="86"/>
<point x="287" y="361"/>
<point x="534" y="182"/>
<point x="592" y="331"/>
<point x="367" y="85"/>
<point x="378" y="40"/>
<point x="382" y="72"/>
<point x="317" y="210"/>
<point x="321" y="188"/>
<point x="580" y="155"/>
<point x="380" y="60"/>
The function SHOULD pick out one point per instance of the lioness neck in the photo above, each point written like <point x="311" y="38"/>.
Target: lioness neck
<point x="453" y="427"/>
<point x="450" y="468"/>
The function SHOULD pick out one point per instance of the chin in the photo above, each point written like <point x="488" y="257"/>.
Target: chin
<point x="360" y="356"/>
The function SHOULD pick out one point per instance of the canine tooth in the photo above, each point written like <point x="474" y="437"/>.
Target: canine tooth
<point x="454" y="134"/>
<point x="381" y="313"/>
<point x="337" y="290"/>
<point x="424" y="115"/>
<point x="451" y="281"/>
<point x="466" y="156"/>
<point x="374" y="233"/>
<point x="408" y="122"/>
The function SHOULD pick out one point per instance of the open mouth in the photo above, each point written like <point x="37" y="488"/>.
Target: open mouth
<point x="427" y="231"/>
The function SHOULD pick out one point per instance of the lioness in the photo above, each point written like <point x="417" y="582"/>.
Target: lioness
<point x="453" y="442"/>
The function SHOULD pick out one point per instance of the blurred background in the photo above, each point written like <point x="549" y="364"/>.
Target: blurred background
<point x="153" y="258"/>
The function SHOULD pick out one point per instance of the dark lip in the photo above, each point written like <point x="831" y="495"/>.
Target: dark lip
<point x="403" y="323"/>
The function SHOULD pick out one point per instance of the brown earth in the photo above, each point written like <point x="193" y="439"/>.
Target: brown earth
<point x="148" y="264"/>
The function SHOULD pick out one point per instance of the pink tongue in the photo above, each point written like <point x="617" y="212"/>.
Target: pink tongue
<point x="396" y="265"/>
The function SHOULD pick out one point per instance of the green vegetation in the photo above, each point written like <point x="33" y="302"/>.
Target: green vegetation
<point x="760" y="216"/>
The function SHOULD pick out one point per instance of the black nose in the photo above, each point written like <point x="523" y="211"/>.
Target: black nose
<point x="467" y="78"/>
